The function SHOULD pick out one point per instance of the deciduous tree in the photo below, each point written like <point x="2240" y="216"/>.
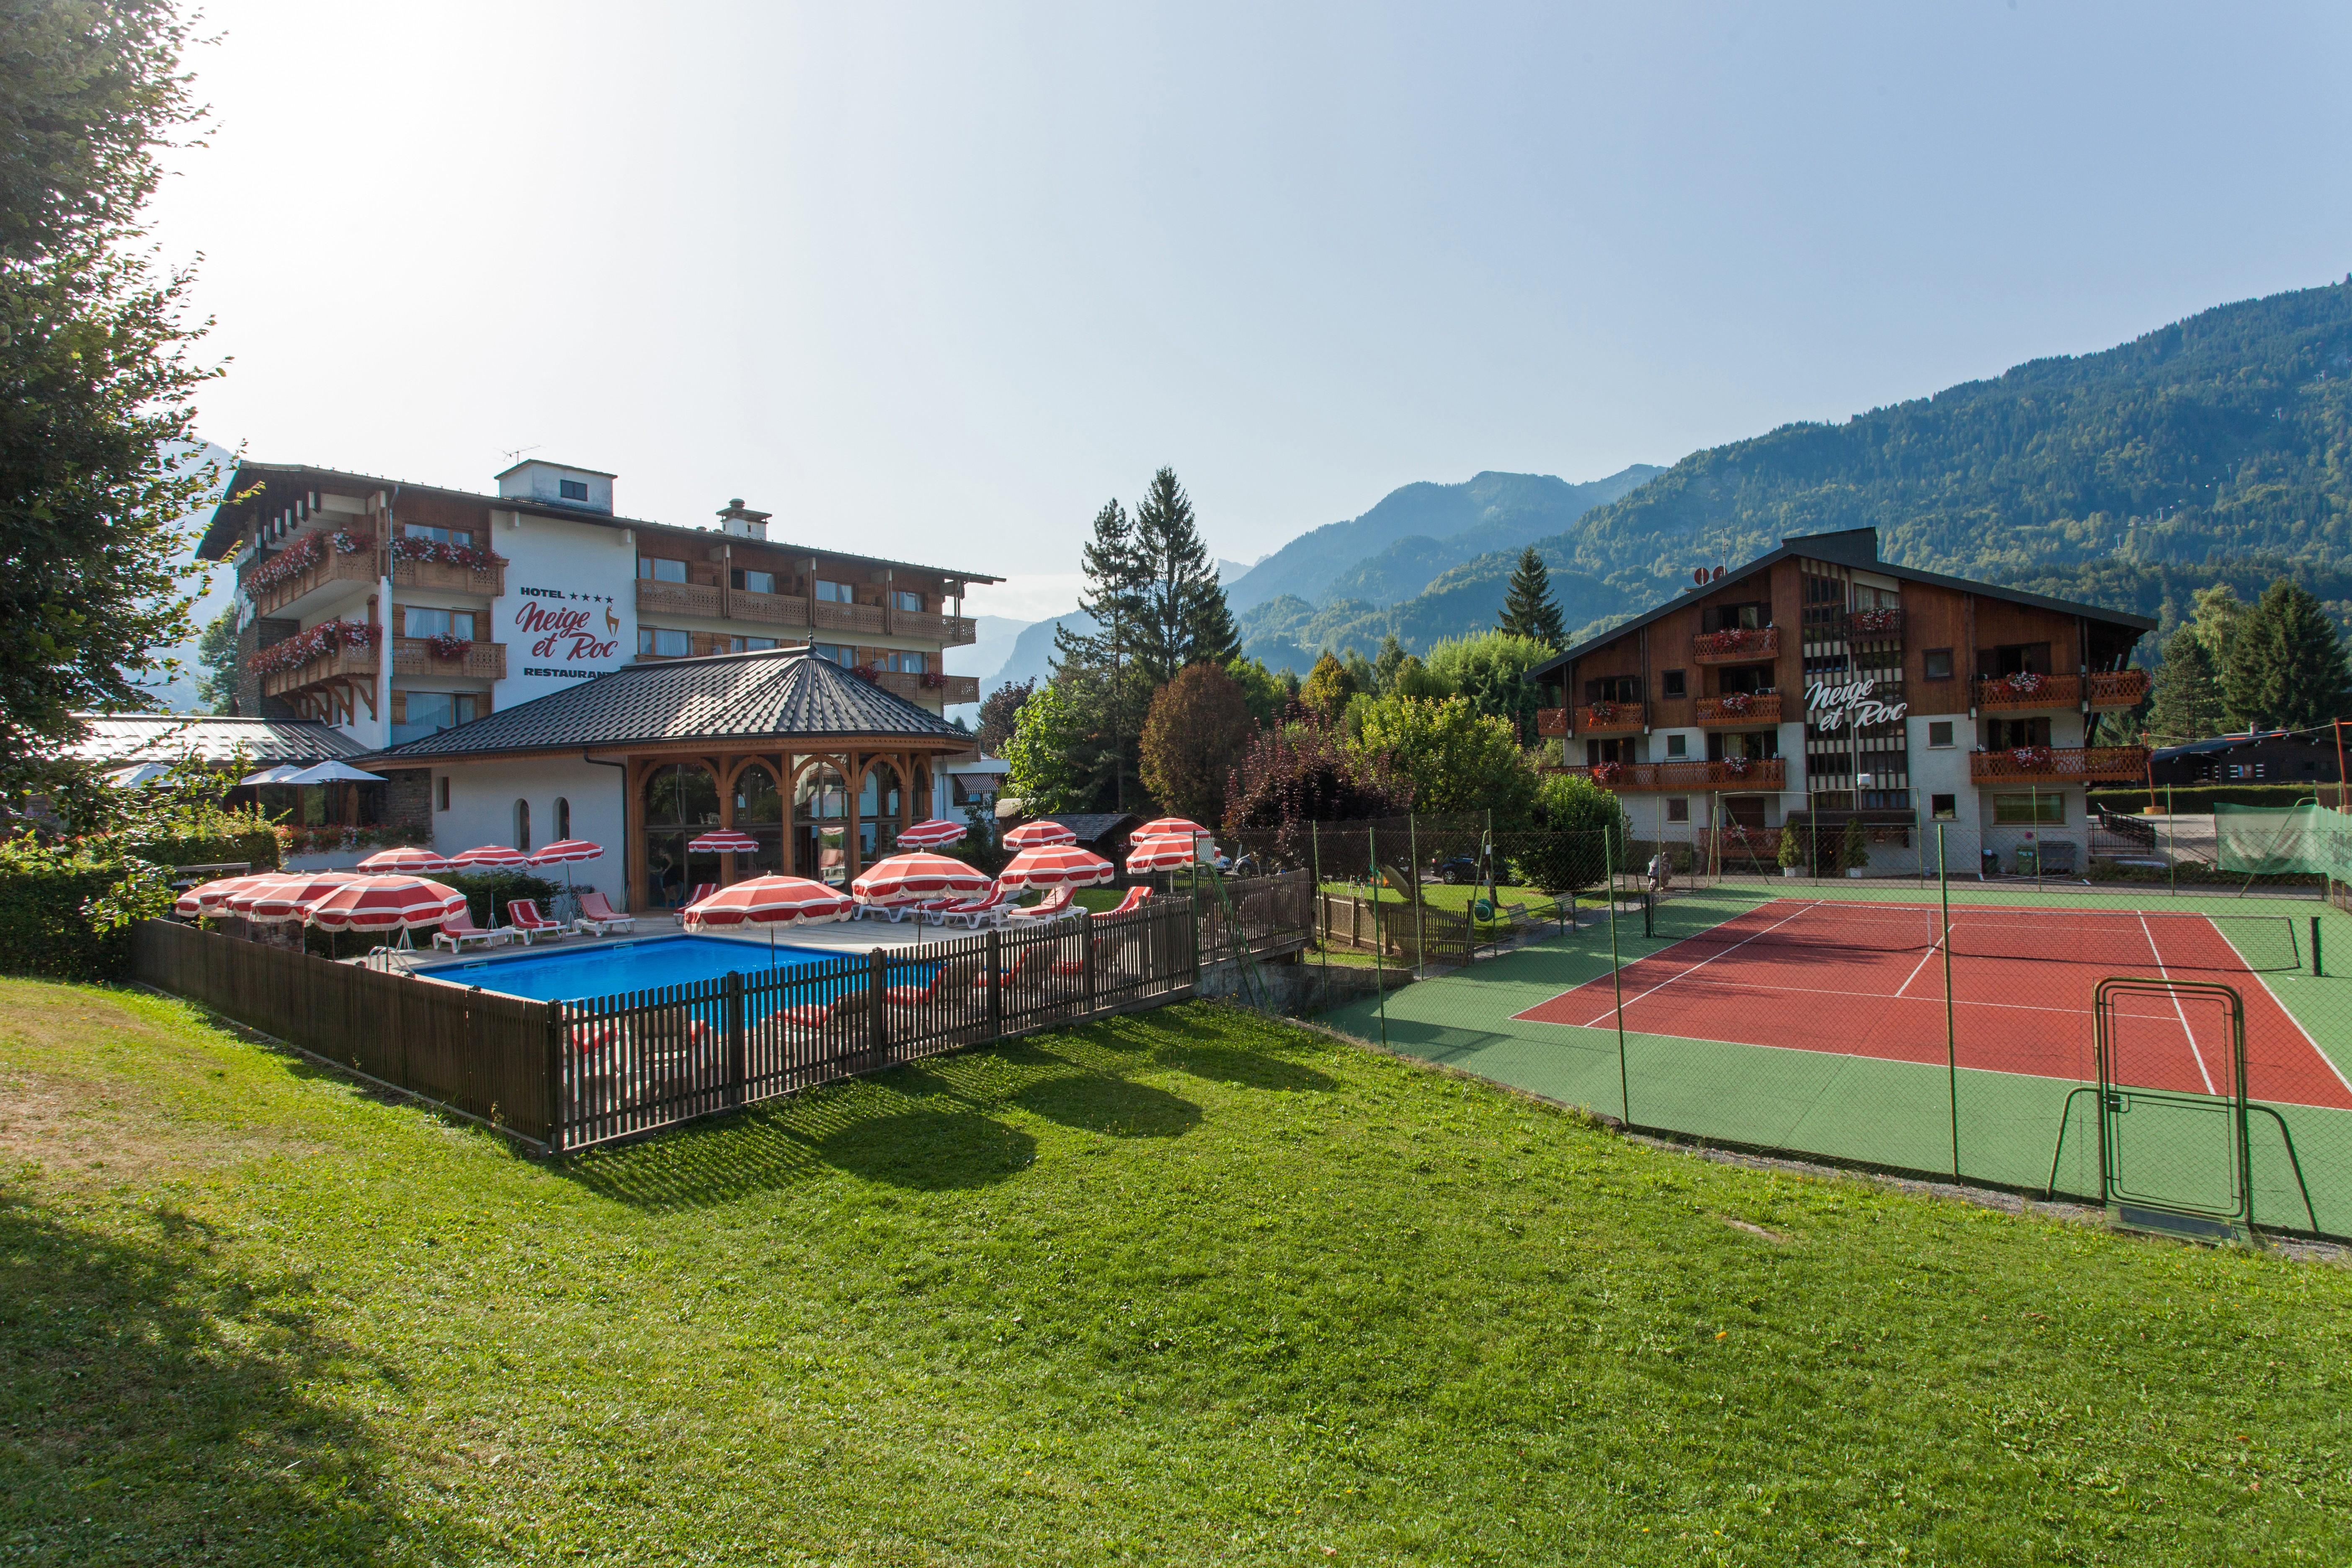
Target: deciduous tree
<point x="997" y="712"/>
<point x="1327" y="688"/>
<point x="96" y="381"/>
<point x="1457" y="759"/>
<point x="1197" y="727"/>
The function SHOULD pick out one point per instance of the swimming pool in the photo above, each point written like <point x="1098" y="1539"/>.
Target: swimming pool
<point x="584" y="973"/>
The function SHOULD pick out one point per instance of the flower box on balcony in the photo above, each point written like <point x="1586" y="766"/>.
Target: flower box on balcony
<point x="1610" y="718"/>
<point x="2026" y="689"/>
<point x="1735" y="645"/>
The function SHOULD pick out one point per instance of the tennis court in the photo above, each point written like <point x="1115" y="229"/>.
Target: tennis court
<point x="1821" y="1024"/>
<point x="1871" y="980"/>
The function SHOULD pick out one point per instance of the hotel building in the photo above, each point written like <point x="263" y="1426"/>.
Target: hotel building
<point x="1818" y="684"/>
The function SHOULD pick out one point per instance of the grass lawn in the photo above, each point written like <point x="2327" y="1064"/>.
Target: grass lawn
<point x="1182" y="1286"/>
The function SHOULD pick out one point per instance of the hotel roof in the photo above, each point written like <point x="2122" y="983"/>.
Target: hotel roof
<point x="167" y="737"/>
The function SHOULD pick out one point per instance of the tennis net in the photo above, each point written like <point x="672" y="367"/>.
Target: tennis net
<point x="2122" y="940"/>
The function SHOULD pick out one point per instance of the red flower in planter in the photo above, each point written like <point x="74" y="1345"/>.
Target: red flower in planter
<point x="2032" y="756"/>
<point x="2024" y="683"/>
<point x="1735" y="702"/>
<point x="1605" y="712"/>
<point x="1607" y="773"/>
<point x="448" y="648"/>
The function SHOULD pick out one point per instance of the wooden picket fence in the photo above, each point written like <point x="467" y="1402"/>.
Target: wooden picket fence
<point x="569" y="1075"/>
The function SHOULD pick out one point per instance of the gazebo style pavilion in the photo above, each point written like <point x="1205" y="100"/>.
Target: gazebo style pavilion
<point x="818" y="765"/>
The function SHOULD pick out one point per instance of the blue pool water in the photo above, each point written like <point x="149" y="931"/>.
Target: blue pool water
<point x="584" y="974"/>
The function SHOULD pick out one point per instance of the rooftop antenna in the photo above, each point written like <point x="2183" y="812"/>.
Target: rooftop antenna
<point x="518" y="451"/>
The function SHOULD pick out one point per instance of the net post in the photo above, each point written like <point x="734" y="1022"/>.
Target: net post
<point x="1616" y="979"/>
<point x="1951" y="1032"/>
<point x="2317" y="970"/>
<point x="2171" y="873"/>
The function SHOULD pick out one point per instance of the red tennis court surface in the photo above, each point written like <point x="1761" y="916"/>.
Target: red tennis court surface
<point x="1867" y="980"/>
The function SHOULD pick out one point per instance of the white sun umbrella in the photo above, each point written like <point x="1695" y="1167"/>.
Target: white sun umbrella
<point x="331" y="772"/>
<point x="278" y="774"/>
<point x="139" y="776"/>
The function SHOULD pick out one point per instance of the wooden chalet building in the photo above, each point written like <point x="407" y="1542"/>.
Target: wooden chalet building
<point x="1819" y="683"/>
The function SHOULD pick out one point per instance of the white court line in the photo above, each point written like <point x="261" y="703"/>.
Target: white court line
<point x="2186" y="1032"/>
<point x="1615" y="1007"/>
<point x="1924" y="957"/>
<point x="2280" y="1003"/>
<point x="1746" y="985"/>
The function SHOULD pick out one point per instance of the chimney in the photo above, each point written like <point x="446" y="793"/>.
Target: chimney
<point x="742" y="521"/>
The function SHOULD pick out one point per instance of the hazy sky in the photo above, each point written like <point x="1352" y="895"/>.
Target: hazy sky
<point x="934" y="283"/>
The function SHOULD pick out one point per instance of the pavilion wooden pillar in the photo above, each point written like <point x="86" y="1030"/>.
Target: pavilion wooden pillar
<point x="906" y="791"/>
<point x="720" y="775"/>
<point x="854" y="782"/>
<point x="633" y="837"/>
<point x="789" y="861"/>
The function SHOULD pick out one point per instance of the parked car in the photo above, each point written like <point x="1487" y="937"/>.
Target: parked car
<point x="1454" y="870"/>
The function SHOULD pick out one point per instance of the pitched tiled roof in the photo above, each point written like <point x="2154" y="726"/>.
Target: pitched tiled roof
<point x="778" y="692"/>
<point x="167" y="737"/>
<point x="1093" y="827"/>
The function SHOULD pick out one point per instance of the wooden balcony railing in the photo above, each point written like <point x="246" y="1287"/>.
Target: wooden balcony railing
<point x="677" y="598"/>
<point x="1733" y="709"/>
<point x="1551" y="721"/>
<point x="479" y="582"/>
<point x="1611" y="719"/>
<point x="328" y="670"/>
<point x="2013" y="693"/>
<point x="2116" y="688"/>
<point x="952" y="631"/>
<point x="2057" y="765"/>
<point x="1874" y="625"/>
<point x="768" y="609"/>
<point x="477" y="661"/>
<point x="949" y="690"/>
<point x="358" y="568"/>
<point x="1735" y="645"/>
<point x="836" y="618"/>
<point x="1763" y="773"/>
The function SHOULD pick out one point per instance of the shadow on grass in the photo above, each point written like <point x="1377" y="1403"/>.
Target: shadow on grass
<point x="1251" y="1069"/>
<point x="156" y="1413"/>
<point x="1095" y="1102"/>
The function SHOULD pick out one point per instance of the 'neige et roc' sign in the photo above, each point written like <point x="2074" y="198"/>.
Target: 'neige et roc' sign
<point x="1833" y="707"/>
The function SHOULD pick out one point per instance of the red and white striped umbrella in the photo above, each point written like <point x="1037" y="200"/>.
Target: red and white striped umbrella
<point x="1168" y="851"/>
<point x="769" y="900"/>
<point x="1038" y="834"/>
<point x="910" y="879"/>
<point x="563" y="851"/>
<point x="1055" y="866"/>
<point x="385" y="903"/>
<point x="931" y="835"/>
<point x="1168" y="827"/>
<point x="282" y="898"/>
<point x="488" y="857"/>
<point x="724" y="841"/>
<point x="408" y="862"/>
<point x="205" y="898"/>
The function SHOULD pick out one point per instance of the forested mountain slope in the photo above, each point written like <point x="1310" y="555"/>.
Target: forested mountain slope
<point x="2125" y="476"/>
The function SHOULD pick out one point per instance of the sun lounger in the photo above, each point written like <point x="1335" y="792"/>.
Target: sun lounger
<point x="989" y="906"/>
<point x="1127" y="905"/>
<point x="598" y="915"/>
<point x="1055" y="905"/>
<point x="522" y="915"/>
<point x="460" y="929"/>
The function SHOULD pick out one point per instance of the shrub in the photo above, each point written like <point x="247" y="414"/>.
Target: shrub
<point x="46" y="926"/>
<point x="488" y="893"/>
<point x="1853" y="850"/>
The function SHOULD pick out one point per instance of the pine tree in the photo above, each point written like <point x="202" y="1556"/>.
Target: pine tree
<point x="1181" y="618"/>
<point x="2285" y="668"/>
<point x="2186" y="704"/>
<point x="1387" y="662"/>
<point x="1095" y="671"/>
<point x="1528" y="609"/>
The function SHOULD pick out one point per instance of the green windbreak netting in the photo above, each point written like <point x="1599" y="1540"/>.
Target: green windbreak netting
<point x="2270" y="840"/>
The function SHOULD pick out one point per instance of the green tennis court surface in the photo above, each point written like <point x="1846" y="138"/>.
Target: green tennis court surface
<point x="1836" y="1046"/>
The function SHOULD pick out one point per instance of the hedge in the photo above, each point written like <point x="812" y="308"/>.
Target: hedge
<point x="258" y="850"/>
<point x="2197" y="800"/>
<point x="43" y="931"/>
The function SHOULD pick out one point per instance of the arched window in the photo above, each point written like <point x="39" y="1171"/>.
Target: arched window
<point x="759" y="811"/>
<point x="563" y="818"/>
<point x="820" y="813"/>
<point x="523" y="825"/>
<point x="681" y="801"/>
<point x="878" y="812"/>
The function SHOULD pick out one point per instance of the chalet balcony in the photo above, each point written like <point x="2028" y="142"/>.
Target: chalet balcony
<point x="948" y="631"/>
<point x="833" y="617"/>
<point x="336" y="668"/>
<point x="659" y="598"/>
<point x="1874" y="625"/>
<point x="1735" y="645"/>
<point x="465" y="660"/>
<point x="1735" y="710"/>
<point x="2055" y="765"/>
<point x="1551" y="721"/>
<point x="330" y="574"/>
<point x="2116" y="688"/>
<point x="1611" y="719"/>
<point x="445" y="578"/>
<point x="768" y="609"/>
<point x="2035" y="694"/>
<point x="949" y="690"/>
<point x="1643" y="778"/>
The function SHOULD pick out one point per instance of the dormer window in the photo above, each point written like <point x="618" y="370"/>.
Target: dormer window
<point x="572" y="489"/>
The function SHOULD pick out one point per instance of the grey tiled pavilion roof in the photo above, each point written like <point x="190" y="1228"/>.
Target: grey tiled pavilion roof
<point x="780" y="694"/>
<point x="167" y="737"/>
